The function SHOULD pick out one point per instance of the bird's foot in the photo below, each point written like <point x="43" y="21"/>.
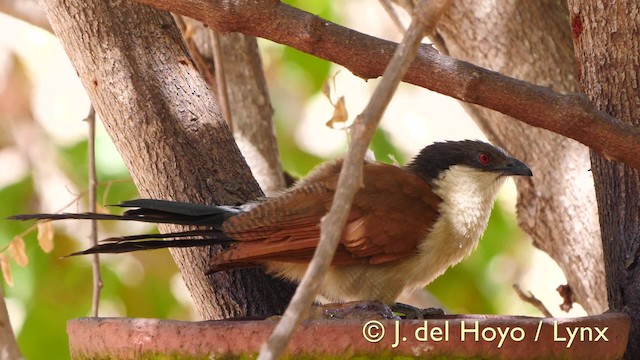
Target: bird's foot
<point x="361" y="310"/>
<point x="412" y="312"/>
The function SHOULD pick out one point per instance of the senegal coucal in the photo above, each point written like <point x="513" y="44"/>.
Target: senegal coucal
<point x="407" y="225"/>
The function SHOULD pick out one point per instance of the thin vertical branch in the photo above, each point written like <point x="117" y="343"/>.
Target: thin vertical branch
<point x="424" y="18"/>
<point x="97" y="277"/>
<point x="221" y="79"/>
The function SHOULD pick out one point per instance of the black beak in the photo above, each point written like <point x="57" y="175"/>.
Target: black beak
<point x="515" y="167"/>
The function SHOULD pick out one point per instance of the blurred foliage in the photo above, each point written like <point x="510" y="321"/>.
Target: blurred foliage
<point x="51" y="290"/>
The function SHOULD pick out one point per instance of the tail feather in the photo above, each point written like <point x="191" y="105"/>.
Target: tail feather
<point x="82" y="216"/>
<point x="129" y="246"/>
<point x="207" y="233"/>
<point x="179" y="208"/>
<point x="153" y="211"/>
<point x="156" y="211"/>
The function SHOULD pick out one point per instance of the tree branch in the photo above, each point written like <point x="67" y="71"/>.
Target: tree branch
<point x="95" y="263"/>
<point x="331" y="226"/>
<point x="571" y="115"/>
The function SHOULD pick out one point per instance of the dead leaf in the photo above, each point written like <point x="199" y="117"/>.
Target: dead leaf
<point x="326" y="90"/>
<point x="340" y="115"/>
<point x="17" y="251"/>
<point x="45" y="236"/>
<point x="102" y="210"/>
<point x="6" y="269"/>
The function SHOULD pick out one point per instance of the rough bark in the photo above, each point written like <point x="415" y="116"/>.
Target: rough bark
<point x="251" y="114"/>
<point x="251" y="111"/>
<point x="531" y="40"/>
<point x="605" y="36"/>
<point x="164" y="122"/>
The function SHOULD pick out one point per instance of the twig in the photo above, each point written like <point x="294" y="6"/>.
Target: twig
<point x="221" y="79"/>
<point x="97" y="277"/>
<point x="531" y="299"/>
<point x="27" y="231"/>
<point x="331" y="226"/>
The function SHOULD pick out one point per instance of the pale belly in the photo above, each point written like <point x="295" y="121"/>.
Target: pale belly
<point x="385" y="282"/>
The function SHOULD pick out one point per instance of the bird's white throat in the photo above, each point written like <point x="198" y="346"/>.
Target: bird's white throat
<point x="467" y="196"/>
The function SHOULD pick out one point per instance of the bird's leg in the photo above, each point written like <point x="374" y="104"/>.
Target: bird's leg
<point x="412" y="312"/>
<point x="361" y="310"/>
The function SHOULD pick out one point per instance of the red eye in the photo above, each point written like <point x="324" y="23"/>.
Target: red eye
<point x="483" y="158"/>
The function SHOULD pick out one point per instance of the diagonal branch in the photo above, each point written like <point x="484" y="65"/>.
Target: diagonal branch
<point x="425" y="16"/>
<point x="571" y="115"/>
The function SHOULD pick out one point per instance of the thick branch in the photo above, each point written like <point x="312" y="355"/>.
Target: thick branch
<point x="571" y="115"/>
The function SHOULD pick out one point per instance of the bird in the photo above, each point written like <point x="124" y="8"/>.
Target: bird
<point x="407" y="224"/>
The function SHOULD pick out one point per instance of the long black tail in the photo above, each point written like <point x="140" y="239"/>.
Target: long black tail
<point x="156" y="211"/>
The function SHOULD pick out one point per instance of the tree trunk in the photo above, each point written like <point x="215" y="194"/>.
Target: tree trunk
<point x="605" y="36"/>
<point x="250" y="111"/>
<point x="530" y="40"/>
<point x="165" y="124"/>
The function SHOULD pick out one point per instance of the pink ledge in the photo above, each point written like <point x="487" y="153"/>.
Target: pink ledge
<point x="594" y="337"/>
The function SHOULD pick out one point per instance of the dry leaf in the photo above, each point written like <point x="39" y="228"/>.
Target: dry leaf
<point x="17" y="251"/>
<point x="6" y="269"/>
<point x="45" y="236"/>
<point x="340" y="115"/>
<point x="326" y="90"/>
<point x="102" y="210"/>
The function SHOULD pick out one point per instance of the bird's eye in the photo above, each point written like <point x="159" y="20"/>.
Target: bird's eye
<point x="483" y="159"/>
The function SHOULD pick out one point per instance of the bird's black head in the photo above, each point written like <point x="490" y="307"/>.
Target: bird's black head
<point x="434" y="159"/>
